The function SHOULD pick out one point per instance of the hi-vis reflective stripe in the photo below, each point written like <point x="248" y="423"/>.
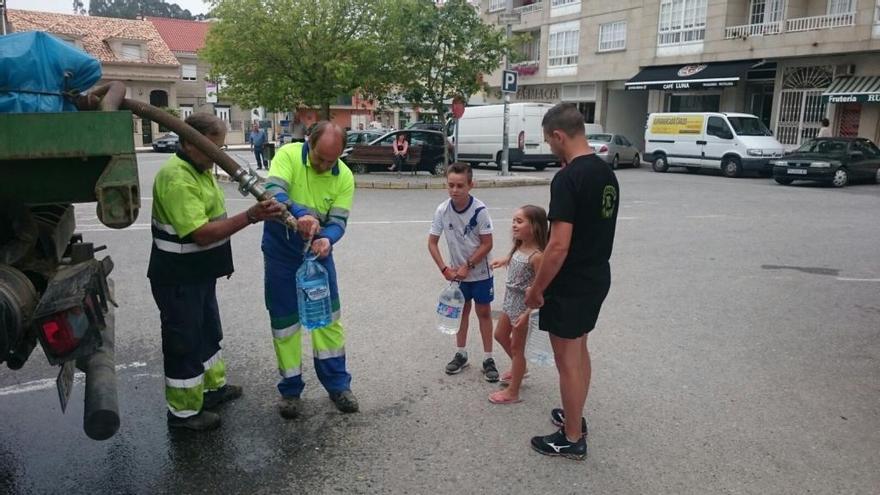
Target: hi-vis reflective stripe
<point x="188" y="248"/>
<point x="282" y="333"/>
<point x="330" y="354"/>
<point x="292" y="372"/>
<point x="277" y="181"/>
<point x="213" y="360"/>
<point x="164" y="227"/>
<point x="182" y="414"/>
<point x="185" y="383"/>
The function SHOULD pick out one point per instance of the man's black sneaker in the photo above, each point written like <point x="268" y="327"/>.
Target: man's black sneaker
<point x="490" y="372"/>
<point x="557" y="417"/>
<point x="345" y="401"/>
<point x="223" y="394"/>
<point x="458" y="363"/>
<point x="290" y="407"/>
<point x="557" y="445"/>
<point x="202" y="421"/>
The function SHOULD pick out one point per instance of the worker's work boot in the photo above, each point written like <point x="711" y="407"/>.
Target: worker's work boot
<point x="202" y="421"/>
<point x="345" y="401"/>
<point x="290" y="407"/>
<point x="223" y="394"/>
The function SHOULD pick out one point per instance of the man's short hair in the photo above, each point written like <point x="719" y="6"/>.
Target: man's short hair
<point x="324" y="126"/>
<point x="564" y="117"/>
<point x="207" y="124"/>
<point x="461" y="168"/>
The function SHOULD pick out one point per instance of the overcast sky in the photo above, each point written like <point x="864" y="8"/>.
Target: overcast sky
<point x="66" y="6"/>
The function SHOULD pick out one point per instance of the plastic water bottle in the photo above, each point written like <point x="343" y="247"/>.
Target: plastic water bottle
<point x="538" y="349"/>
<point x="313" y="295"/>
<point x="449" y="309"/>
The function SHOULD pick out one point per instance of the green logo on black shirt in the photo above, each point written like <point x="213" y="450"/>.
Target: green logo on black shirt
<point x="609" y="199"/>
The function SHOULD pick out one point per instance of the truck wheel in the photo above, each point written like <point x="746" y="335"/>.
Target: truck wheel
<point x="783" y="180"/>
<point x="731" y="167"/>
<point x="498" y="161"/>
<point x="660" y="164"/>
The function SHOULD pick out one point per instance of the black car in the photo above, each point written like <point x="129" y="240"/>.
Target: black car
<point x="425" y="152"/>
<point x="167" y="143"/>
<point x="433" y="126"/>
<point x="835" y="161"/>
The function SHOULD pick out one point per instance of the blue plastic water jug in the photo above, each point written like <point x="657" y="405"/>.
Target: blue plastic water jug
<point x="313" y="294"/>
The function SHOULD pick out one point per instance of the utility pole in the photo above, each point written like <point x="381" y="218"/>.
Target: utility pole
<point x="505" y="144"/>
<point x="2" y="17"/>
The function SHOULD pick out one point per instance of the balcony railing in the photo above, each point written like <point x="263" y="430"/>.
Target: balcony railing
<point x="820" y="22"/>
<point x="528" y="9"/>
<point x="791" y="25"/>
<point x="747" y="30"/>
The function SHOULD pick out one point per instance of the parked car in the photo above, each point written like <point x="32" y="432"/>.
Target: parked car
<point x="835" y="161"/>
<point x="433" y="126"/>
<point x="425" y="152"/>
<point x="732" y="142"/>
<point x="167" y="143"/>
<point x="614" y="149"/>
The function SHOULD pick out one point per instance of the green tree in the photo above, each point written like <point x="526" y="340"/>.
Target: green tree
<point x="442" y="52"/>
<point x="282" y="53"/>
<point x="130" y="9"/>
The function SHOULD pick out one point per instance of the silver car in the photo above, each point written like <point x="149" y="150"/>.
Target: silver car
<point x="615" y="149"/>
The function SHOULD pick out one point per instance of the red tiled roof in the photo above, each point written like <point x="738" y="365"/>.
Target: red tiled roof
<point x="181" y="35"/>
<point x="94" y="32"/>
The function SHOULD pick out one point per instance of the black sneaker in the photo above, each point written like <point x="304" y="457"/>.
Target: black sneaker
<point x="458" y="363"/>
<point x="202" y="421"/>
<point x="490" y="372"/>
<point x="557" y="445"/>
<point x="223" y="394"/>
<point x="345" y="401"/>
<point x="557" y="417"/>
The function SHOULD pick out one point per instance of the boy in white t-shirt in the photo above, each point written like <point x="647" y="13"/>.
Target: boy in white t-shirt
<point x="465" y="222"/>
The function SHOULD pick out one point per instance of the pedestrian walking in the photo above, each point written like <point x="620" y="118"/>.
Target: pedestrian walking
<point x="190" y="250"/>
<point x="315" y="184"/>
<point x="529" y="240"/>
<point x="825" y="130"/>
<point x="575" y="275"/>
<point x="467" y="226"/>
<point x="258" y="139"/>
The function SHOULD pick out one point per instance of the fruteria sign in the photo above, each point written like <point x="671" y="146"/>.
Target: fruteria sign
<point x="677" y="124"/>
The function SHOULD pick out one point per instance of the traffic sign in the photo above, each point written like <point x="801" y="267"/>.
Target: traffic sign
<point x="457" y="108"/>
<point x="508" y="81"/>
<point x="505" y="18"/>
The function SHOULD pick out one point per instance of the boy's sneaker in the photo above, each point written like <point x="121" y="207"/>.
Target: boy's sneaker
<point x="202" y="421"/>
<point x="557" y="445"/>
<point x="458" y="363"/>
<point x="557" y="417"/>
<point x="490" y="371"/>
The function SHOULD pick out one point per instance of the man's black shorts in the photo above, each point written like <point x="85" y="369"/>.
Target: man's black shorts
<point x="571" y="309"/>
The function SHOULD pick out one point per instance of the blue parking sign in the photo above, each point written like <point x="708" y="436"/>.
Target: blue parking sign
<point x="508" y="81"/>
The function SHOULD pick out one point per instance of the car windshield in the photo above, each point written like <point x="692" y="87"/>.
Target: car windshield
<point x="823" y="146"/>
<point x="352" y="138"/>
<point x="749" y="126"/>
<point x="602" y="138"/>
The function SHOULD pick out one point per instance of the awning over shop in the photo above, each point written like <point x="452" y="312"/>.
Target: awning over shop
<point x="695" y="76"/>
<point x="854" y="90"/>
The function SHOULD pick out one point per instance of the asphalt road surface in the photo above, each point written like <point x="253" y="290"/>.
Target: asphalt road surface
<point x="737" y="352"/>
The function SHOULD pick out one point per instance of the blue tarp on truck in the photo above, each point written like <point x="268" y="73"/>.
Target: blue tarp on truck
<point x="40" y="73"/>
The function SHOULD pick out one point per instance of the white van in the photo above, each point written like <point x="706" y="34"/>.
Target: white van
<point x="481" y="130"/>
<point x="733" y="142"/>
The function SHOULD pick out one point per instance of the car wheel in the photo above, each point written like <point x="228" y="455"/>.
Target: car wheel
<point x="660" y="164"/>
<point x="783" y="180"/>
<point x="637" y="161"/>
<point x="540" y="167"/>
<point x="840" y="178"/>
<point x="693" y="170"/>
<point x="359" y="168"/>
<point x="877" y="177"/>
<point x="439" y="168"/>
<point x="615" y="162"/>
<point x="731" y="167"/>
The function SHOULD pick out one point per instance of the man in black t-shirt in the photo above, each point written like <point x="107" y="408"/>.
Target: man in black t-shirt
<point x="575" y="276"/>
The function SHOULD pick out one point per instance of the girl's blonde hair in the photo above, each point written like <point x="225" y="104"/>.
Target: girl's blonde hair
<point x="537" y="218"/>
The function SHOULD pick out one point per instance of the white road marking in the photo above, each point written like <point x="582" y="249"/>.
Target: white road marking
<point x="47" y="383"/>
<point x="706" y="216"/>
<point x="845" y="279"/>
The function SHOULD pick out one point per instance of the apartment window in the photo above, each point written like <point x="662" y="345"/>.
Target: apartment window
<point x="563" y="3"/>
<point x="531" y="50"/>
<point x="877" y="13"/>
<point x="681" y="21"/>
<point x="612" y="36"/>
<point x="222" y="112"/>
<point x="188" y="72"/>
<point x="185" y="111"/>
<point x="562" y="46"/>
<point x="840" y="6"/>
<point x="130" y="52"/>
<point x="496" y="5"/>
<point x="766" y="11"/>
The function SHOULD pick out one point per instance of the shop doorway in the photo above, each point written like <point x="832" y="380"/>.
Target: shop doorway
<point x="801" y="106"/>
<point x="848" y="123"/>
<point x="690" y="102"/>
<point x="761" y="102"/>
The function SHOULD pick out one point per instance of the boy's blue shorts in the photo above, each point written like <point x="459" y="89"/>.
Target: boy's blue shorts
<point x="481" y="291"/>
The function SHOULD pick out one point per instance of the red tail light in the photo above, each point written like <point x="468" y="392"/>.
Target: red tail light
<point x="63" y="331"/>
<point x="603" y="149"/>
<point x="521" y="140"/>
